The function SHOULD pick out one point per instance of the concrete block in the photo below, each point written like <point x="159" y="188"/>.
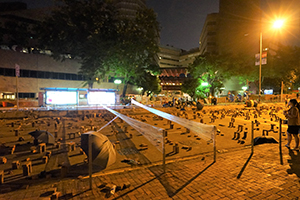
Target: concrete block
<point x="27" y="168"/>
<point x="15" y="164"/>
<point x="45" y="159"/>
<point x="3" y="160"/>
<point x="1" y="177"/>
<point x="55" y="195"/>
<point x="42" y="147"/>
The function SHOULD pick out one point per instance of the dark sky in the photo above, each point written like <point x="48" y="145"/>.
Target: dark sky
<point x="181" y="21"/>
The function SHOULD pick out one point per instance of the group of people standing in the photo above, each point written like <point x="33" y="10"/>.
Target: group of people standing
<point x="293" y="121"/>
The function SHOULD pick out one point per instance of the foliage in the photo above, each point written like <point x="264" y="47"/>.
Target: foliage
<point x="212" y="69"/>
<point x="137" y="47"/>
<point x="189" y="86"/>
<point x="149" y="83"/>
<point x="81" y="29"/>
<point x="283" y="65"/>
<point x="104" y="41"/>
<point x="18" y="33"/>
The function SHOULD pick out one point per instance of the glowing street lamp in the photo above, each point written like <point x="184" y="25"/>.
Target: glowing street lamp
<point x="204" y="84"/>
<point x="277" y="25"/>
<point x="117" y="81"/>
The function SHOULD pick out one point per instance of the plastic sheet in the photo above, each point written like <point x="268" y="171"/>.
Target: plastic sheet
<point x="151" y="133"/>
<point x="107" y="124"/>
<point x="204" y="131"/>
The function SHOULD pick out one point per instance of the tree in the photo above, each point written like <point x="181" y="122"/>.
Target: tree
<point x="84" y="30"/>
<point x="137" y="47"/>
<point x="18" y="34"/>
<point x="92" y="31"/>
<point x="189" y="86"/>
<point x="149" y="83"/>
<point x="283" y="65"/>
<point x="210" y="69"/>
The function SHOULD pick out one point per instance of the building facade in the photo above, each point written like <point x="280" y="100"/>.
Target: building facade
<point x="128" y="8"/>
<point x="208" y="37"/>
<point x="173" y="63"/>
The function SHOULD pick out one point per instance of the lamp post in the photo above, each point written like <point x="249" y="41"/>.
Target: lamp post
<point x="276" y="25"/>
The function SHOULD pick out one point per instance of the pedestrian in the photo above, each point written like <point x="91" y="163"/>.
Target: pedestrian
<point x="297" y="95"/>
<point x="293" y="118"/>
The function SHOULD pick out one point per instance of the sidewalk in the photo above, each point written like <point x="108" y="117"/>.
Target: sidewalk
<point x="235" y="175"/>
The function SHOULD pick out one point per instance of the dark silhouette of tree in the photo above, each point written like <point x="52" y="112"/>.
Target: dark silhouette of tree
<point x="283" y="65"/>
<point x="83" y="30"/>
<point x="137" y="47"/>
<point x="105" y="43"/>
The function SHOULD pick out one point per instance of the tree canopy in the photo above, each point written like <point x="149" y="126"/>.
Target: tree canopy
<point x="105" y="42"/>
<point x="283" y="65"/>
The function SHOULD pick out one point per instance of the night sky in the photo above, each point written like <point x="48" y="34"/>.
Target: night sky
<point x="181" y="21"/>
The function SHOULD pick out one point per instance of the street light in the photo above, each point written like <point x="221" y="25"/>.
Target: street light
<point x="277" y="25"/>
<point x="204" y="84"/>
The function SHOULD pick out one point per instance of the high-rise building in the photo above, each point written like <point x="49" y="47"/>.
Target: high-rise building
<point x="128" y="8"/>
<point x="238" y="28"/>
<point x="208" y="37"/>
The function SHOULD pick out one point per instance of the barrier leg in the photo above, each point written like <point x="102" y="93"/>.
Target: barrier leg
<point x="164" y="151"/>
<point x="280" y="141"/>
<point x="215" y="147"/>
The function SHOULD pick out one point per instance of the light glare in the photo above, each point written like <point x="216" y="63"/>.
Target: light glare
<point x="278" y="23"/>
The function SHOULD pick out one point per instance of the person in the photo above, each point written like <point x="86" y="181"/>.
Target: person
<point x="293" y="118"/>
